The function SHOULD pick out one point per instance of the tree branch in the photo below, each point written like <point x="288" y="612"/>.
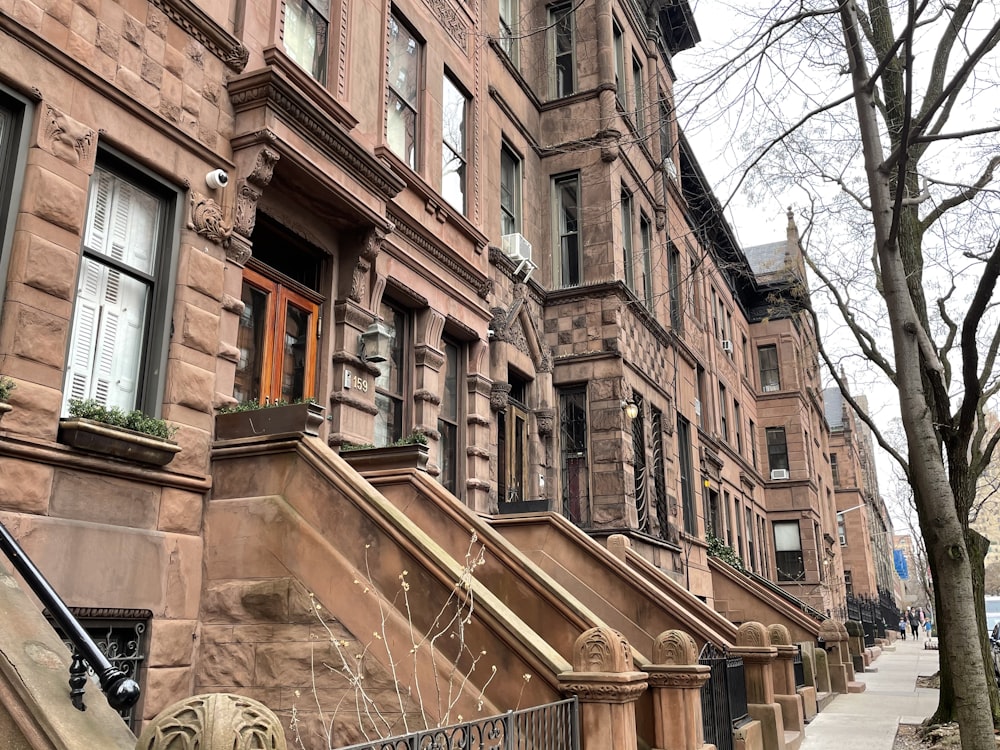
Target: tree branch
<point x="970" y="346"/>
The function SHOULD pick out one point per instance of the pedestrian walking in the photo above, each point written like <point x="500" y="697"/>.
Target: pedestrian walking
<point x="928" y="626"/>
<point x="902" y="628"/>
<point x="915" y="623"/>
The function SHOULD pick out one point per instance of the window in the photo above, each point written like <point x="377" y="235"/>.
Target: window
<point x="508" y="29"/>
<point x="777" y="448"/>
<point x="510" y="191"/>
<point x="753" y="443"/>
<point x="566" y="195"/>
<point x="686" y="474"/>
<point x="619" y="42"/>
<point x="834" y="469"/>
<point x="639" y="94"/>
<point x="661" y="501"/>
<point x="751" y="552"/>
<point x="646" y="238"/>
<point x="764" y="562"/>
<point x="727" y="503"/>
<point x="573" y="455"/>
<point x="512" y="445"/>
<point x="562" y="43"/>
<point x="714" y="301"/>
<point x="848" y="583"/>
<point x="453" y="113"/>
<point x="666" y="135"/>
<point x="738" y="426"/>
<point x="305" y="34"/>
<point x="842" y="529"/>
<point x="13" y="131"/>
<point x="626" y="208"/>
<point x="403" y="75"/>
<point x="448" y="418"/>
<point x="746" y="358"/>
<point x="673" y="273"/>
<point x="767" y="357"/>
<point x="390" y="385"/>
<point x="117" y="347"/>
<point x="788" y="551"/>
<point x="278" y="326"/>
<point x="639" y="464"/>
<point x="723" y="412"/>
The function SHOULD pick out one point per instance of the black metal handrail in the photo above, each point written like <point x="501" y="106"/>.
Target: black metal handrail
<point x="121" y="691"/>
<point x="791" y="599"/>
<point x="554" y="726"/>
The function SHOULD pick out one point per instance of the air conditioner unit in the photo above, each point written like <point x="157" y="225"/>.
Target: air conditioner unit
<point x="779" y="473"/>
<point x="518" y="249"/>
<point x="771" y="387"/>
<point x="670" y="168"/>
<point x="697" y="407"/>
<point x="727" y="345"/>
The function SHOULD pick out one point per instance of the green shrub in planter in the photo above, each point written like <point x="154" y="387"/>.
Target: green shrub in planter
<point x="6" y="386"/>
<point x="133" y="420"/>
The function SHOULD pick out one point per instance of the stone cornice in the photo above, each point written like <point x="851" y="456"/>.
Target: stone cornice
<point x="465" y="271"/>
<point x="201" y="27"/>
<point x="314" y="115"/>
<point x="603" y="687"/>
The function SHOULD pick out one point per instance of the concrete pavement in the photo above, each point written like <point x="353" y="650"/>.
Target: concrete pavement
<point x="868" y="720"/>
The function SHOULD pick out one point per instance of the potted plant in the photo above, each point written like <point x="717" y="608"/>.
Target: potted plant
<point x="129" y="435"/>
<point x="6" y="386"/>
<point x="410" y="452"/>
<point x="253" y="419"/>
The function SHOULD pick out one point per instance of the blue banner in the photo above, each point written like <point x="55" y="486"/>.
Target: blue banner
<point x="900" y="561"/>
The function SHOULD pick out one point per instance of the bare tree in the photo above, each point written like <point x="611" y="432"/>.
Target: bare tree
<point x="869" y="109"/>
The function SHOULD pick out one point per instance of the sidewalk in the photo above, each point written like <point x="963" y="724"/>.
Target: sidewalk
<point x="868" y="720"/>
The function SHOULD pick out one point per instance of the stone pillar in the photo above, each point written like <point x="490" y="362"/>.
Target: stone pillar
<point x="845" y="650"/>
<point x="785" y="692"/>
<point x="478" y="432"/>
<point x="608" y="686"/>
<point x="352" y="397"/>
<point x="822" y="674"/>
<point x="428" y="385"/>
<point x="754" y="645"/>
<point x="676" y="679"/>
<point x="218" y="721"/>
<point x="856" y="645"/>
<point x="829" y="633"/>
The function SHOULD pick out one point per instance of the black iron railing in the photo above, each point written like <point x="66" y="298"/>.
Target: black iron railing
<point x="800" y="671"/>
<point x="554" y="726"/>
<point x="793" y="600"/>
<point x="121" y="691"/>
<point x="723" y="697"/>
<point x="866" y="610"/>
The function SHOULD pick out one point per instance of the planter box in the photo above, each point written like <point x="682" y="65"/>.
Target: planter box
<point x="396" y="457"/>
<point x="4" y="408"/>
<point x="275" y="420"/>
<point x="117" y="442"/>
<point x="524" y="506"/>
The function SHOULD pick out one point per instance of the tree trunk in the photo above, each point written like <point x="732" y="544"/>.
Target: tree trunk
<point x="978" y="546"/>
<point x="946" y="695"/>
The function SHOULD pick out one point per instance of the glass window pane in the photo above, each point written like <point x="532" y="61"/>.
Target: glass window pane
<point x="305" y="35"/>
<point x="293" y="360"/>
<point x="250" y="341"/>
<point x="401" y="131"/>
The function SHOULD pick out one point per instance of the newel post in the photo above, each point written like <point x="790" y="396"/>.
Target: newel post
<point x="754" y="645"/>
<point x="607" y="686"/>
<point x="785" y="693"/>
<point x="676" y="679"/>
<point x="217" y="721"/>
<point x="829" y="633"/>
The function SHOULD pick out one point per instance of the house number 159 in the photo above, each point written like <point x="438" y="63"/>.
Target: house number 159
<point x="355" y="381"/>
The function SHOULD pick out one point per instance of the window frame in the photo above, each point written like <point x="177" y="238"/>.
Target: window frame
<point x="646" y="240"/>
<point x="393" y="94"/>
<point x="783" y="571"/>
<point x="458" y="152"/>
<point x="13" y="157"/>
<point x="157" y="323"/>
<point x="321" y="65"/>
<point x="560" y="236"/>
<point x="561" y="16"/>
<point x="512" y="213"/>
<point x="450" y="475"/>
<point x="618" y="39"/>
<point x="402" y="347"/>
<point x="723" y="412"/>
<point x="508" y="26"/>
<point x="686" y="475"/>
<point x="638" y="94"/>
<point x="628" y="251"/>
<point x="772" y="383"/>
<point x="777" y="460"/>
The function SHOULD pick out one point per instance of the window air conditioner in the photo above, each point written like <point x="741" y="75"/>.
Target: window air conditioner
<point x="518" y="249"/>
<point x="697" y="407"/>
<point x="779" y="473"/>
<point x="670" y="168"/>
<point x="727" y="345"/>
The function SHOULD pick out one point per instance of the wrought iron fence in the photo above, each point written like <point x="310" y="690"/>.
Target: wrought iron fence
<point x="723" y="697"/>
<point x="866" y="610"/>
<point x="554" y="726"/>
<point x="800" y="671"/>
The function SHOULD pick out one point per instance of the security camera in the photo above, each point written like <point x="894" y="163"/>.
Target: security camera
<point x="216" y="179"/>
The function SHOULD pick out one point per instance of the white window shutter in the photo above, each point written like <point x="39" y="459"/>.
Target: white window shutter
<point x="118" y="348"/>
<point x="99" y="211"/>
<point x="86" y="317"/>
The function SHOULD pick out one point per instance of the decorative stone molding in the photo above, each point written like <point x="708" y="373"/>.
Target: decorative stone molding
<point x="602" y="649"/>
<point x="199" y="25"/>
<point x="829" y="632"/>
<point x="600" y="691"/>
<point x="220" y="721"/>
<point x="64" y="137"/>
<point x="499" y="396"/>
<point x="498" y="325"/>
<point x="427" y="397"/>
<point x="207" y="220"/>
<point x="252" y="186"/>
<point x="689" y="677"/>
<point x="545" y="419"/>
<point x="239" y="250"/>
<point x="779" y="636"/>
<point x="752" y="635"/>
<point x="675" y="647"/>
<point x="425" y="355"/>
<point x="371" y="245"/>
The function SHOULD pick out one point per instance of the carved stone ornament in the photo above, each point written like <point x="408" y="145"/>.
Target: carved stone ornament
<point x="828" y="631"/>
<point x="499" y="396"/>
<point x="220" y="721"/>
<point x="601" y="649"/>
<point x="250" y="190"/>
<point x="675" y="647"/>
<point x="207" y="219"/>
<point x="545" y="418"/>
<point x="498" y="324"/>
<point x="691" y="679"/>
<point x="371" y="245"/>
<point x="753" y="635"/>
<point x="239" y="250"/>
<point x="779" y="635"/>
<point x="66" y="138"/>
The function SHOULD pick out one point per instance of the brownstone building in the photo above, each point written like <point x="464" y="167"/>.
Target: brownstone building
<point x="475" y="224"/>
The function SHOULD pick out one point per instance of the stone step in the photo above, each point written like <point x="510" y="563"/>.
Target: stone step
<point x="824" y="699"/>
<point x="793" y="740"/>
<point x="856" y="687"/>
